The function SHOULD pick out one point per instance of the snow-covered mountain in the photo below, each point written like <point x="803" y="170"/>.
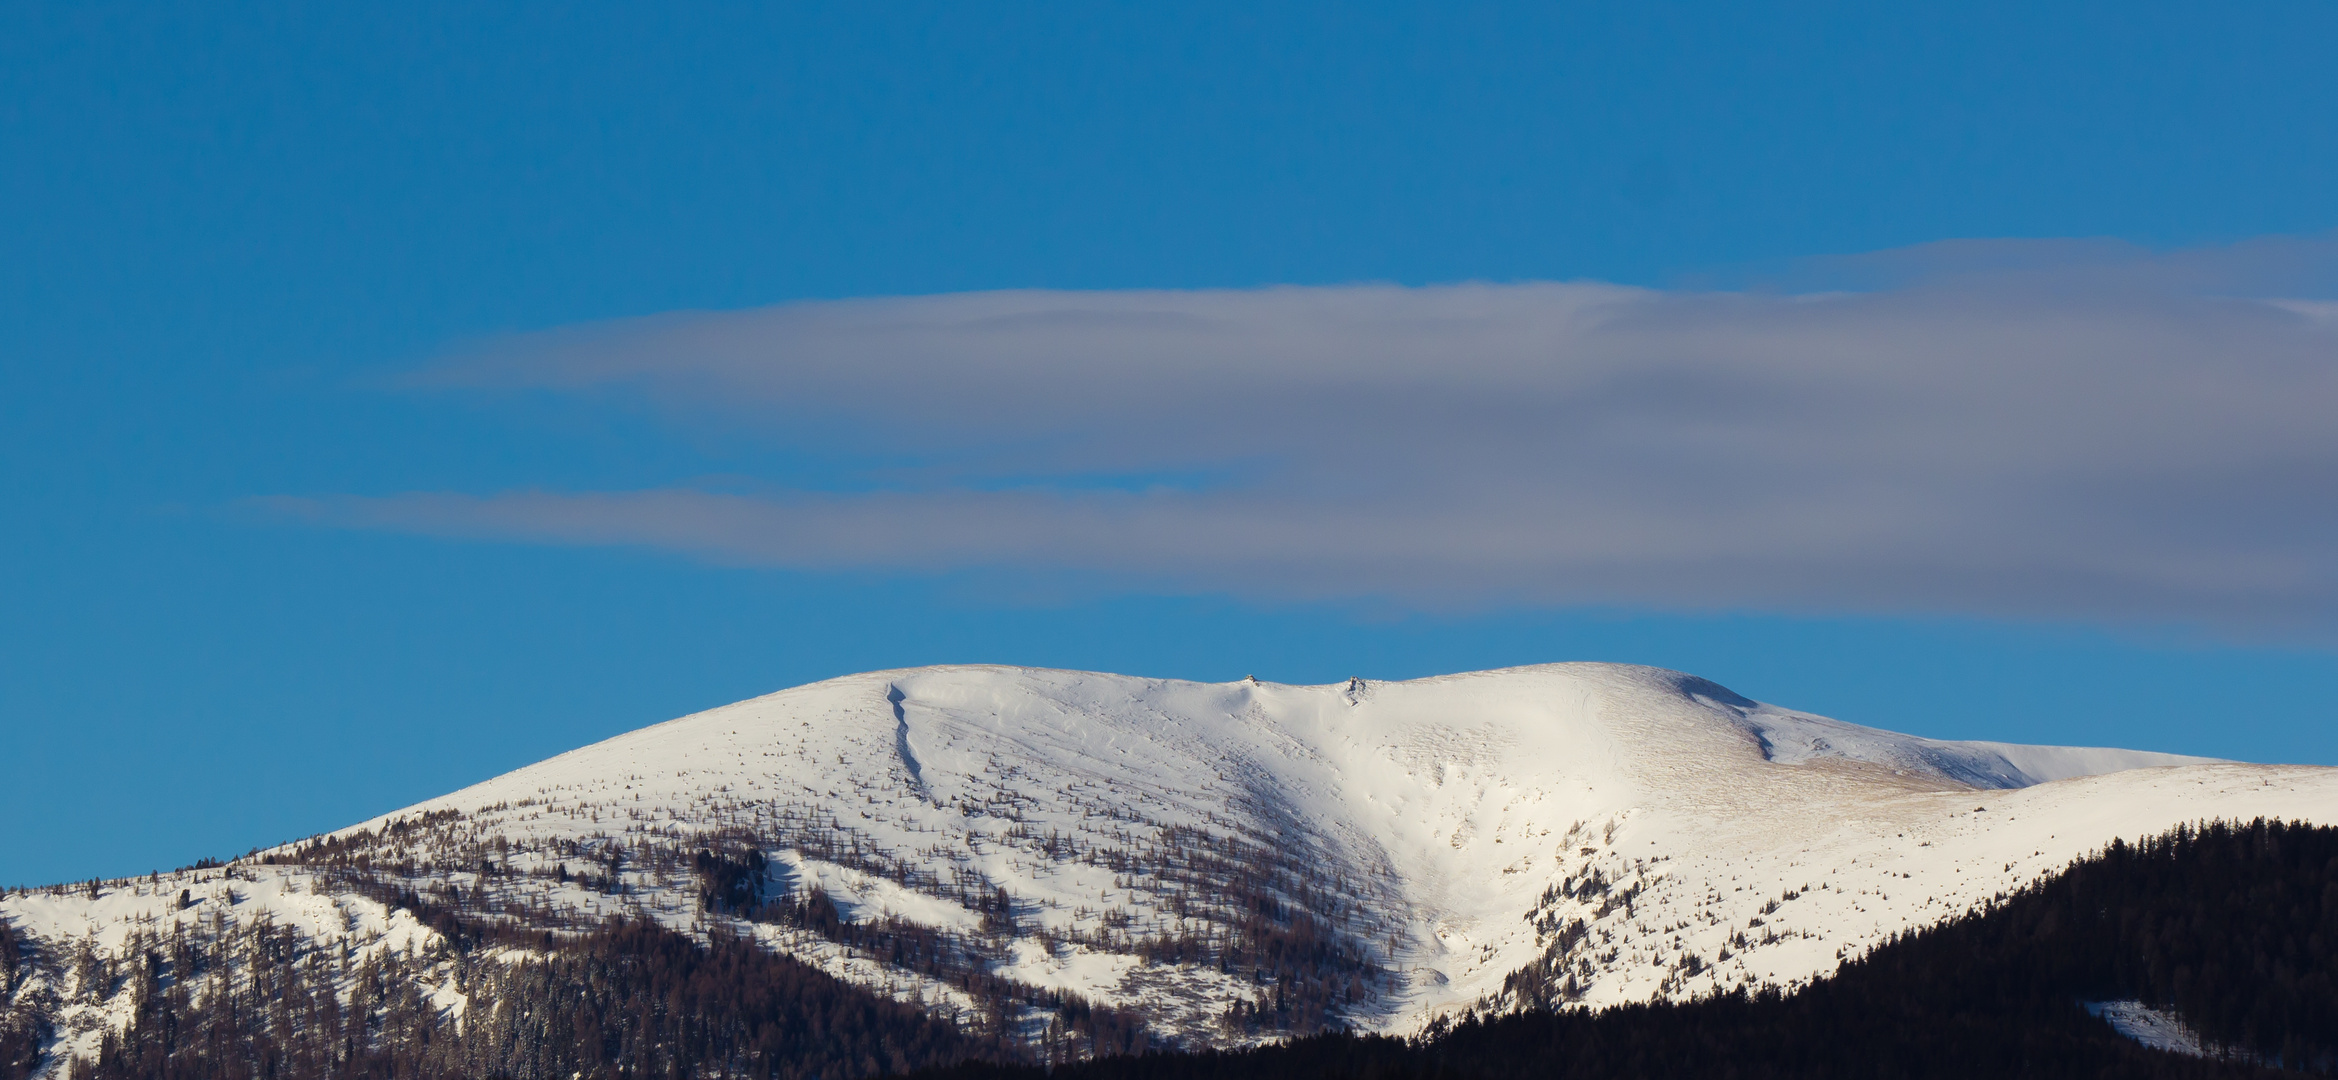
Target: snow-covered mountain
<point x="1227" y="861"/>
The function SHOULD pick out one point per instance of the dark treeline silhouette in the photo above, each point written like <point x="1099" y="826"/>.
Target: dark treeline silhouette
<point x="2232" y="926"/>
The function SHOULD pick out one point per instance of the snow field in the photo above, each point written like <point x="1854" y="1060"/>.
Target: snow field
<point x="1579" y="834"/>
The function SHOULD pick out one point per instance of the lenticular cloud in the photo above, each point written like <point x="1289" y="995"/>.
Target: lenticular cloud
<point x="2099" y="439"/>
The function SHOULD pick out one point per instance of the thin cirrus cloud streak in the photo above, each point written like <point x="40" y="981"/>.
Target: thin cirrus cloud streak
<point x="2022" y="432"/>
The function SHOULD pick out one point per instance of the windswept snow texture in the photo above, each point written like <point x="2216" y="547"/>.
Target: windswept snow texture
<point x="1569" y="834"/>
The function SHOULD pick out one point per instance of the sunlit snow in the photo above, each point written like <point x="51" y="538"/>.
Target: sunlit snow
<point x="1619" y="833"/>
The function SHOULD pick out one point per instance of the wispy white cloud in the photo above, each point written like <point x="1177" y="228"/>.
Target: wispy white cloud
<point x="2061" y="430"/>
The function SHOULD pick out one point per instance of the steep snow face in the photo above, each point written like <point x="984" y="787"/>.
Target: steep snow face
<point x="1223" y="858"/>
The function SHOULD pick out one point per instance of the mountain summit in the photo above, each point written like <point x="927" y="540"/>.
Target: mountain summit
<point x="1218" y="863"/>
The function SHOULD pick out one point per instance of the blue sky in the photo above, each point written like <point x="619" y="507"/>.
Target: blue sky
<point x="391" y="398"/>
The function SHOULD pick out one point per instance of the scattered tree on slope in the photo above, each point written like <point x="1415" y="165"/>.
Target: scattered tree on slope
<point x="629" y="1001"/>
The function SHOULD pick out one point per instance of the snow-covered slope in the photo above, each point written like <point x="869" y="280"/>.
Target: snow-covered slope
<point x="1223" y="858"/>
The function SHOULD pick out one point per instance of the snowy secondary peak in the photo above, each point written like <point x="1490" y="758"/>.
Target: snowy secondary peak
<point x="1796" y="738"/>
<point x="1237" y="861"/>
